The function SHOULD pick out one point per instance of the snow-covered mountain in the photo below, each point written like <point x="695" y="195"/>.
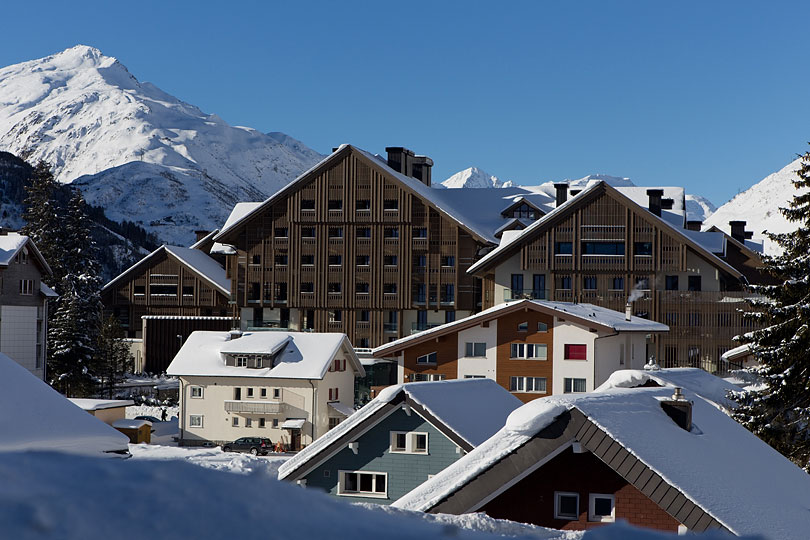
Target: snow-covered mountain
<point x="474" y="177"/>
<point x="139" y="152"/>
<point x="698" y="208"/>
<point x="759" y="207"/>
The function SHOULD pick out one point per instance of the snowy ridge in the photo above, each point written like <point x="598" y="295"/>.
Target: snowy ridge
<point x="474" y="177"/>
<point x="139" y="152"/>
<point x="699" y="208"/>
<point x="759" y="207"/>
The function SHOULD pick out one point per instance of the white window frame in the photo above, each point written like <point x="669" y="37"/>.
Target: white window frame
<point x="193" y="417"/>
<point x="471" y="346"/>
<point x="235" y="421"/>
<point x="573" y="379"/>
<point x="557" y="495"/>
<point x="249" y="392"/>
<point x="196" y="392"/>
<point x="368" y="494"/>
<point x="522" y="383"/>
<point x="592" y="516"/>
<point x="26" y="287"/>
<point x="427" y="358"/>
<point x="410" y="443"/>
<point x="276" y="393"/>
<point x="248" y="422"/>
<point x="241" y="361"/>
<point x="520" y="351"/>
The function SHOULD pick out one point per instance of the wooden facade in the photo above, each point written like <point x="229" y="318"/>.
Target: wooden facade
<point x="161" y="284"/>
<point x="351" y="248"/>
<point x="677" y="282"/>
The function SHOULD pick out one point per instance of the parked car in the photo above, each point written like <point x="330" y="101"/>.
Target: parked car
<point x="147" y="418"/>
<point x="254" y="445"/>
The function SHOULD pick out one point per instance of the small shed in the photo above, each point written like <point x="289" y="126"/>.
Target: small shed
<point x="106" y="410"/>
<point x="138" y="431"/>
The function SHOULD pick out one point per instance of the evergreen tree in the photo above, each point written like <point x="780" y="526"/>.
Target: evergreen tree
<point x="42" y="223"/>
<point x="113" y="358"/>
<point x="779" y="411"/>
<point x="70" y="344"/>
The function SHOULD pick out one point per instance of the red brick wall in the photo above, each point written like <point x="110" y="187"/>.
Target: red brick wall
<point x="532" y="499"/>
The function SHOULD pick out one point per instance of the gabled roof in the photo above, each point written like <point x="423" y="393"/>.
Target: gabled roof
<point x="467" y="411"/>
<point x="582" y="198"/>
<point x="428" y="194"/>
<point x="718" y="475"/>
<point x="195" y="260"/>
<point x="518" y="201"/>
<point x="299" y="355"/>
<point x="11" y="244"/>
<point x="512" y="224"/>
<point x="239" y="212"/>
<point x="204" y="240"/>
<point x="37" y="417"/>
<point x="585" y="314"/>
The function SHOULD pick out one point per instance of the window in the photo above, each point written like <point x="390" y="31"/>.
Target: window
<point x="280" y="232"/>
<point x="334" y="204"/>
<point x="643" y="284"/>
<point x="565" y="283"/>
<point x="603" y="248"/>
<point x="333" y="287"/>
<point x="601" y="507"/>
<point x="335" y="260"/>
<point x="365" y="315"/>
<point x="307" y="204"/>
<point x="573" y="385"/>
<point x="139" y="290"/>
<point x="390" y="204"/>
<point x="241" y="361"/>
<point x="27" y="286"/>
<point x="391" y="232"/>
<point x="566" y="505"/>
<point x="420" y="261"/>
<point x="263" y="393"/>
<point x="523" y="327"/>
<point x="363" y="232"/>
<point x="420" y="232"/>
<point x="361" y="288"/>
<point x="196" y="391"/>
<point x="333" y="422"/>
<point x="195" y="420"/>
<point x="367" y="484"/>
<point x="363" y="204"/>
<point x="262" y="422"/>
<point x="336" y="316"/>
<point x="671" y="283"/>
<point x="276" y="393"/>
<point x="333" y="394"/>
<point x="576" y="352"/>
<point x="644" y="249"/>
<point x="335" y="232"/>
<point x="248" y="422"/>
<point x="250" y="392"/>
<point x="617" y="284"/>
<point x="389" y="288"/>
<point x="542" y="327"/>
<point x="449" y="316"/>
<point x="589" y="283"/>
<point x="475" y="349"/>
<point x="516" y="282"/>
<point x="448" y="261"/>
<point x="307" y="287"/>
<point x="390" y="260"/>
<point x="426" y="358"/>
<point x="154" y="289"/>
<point x="275" y="422"/>
<point x="694" y="283"/>
<point x="536" y="385"/>
<point x="563" y="248"/>
<point x="188" y="290"/>
<point x="529" y="351"/>
<point x="363" y="260"/>
<point x="448" y="293"/>
<point x="307" y="232"/>
<point x="421" y="377"/>
<point x="235" y="421"/>
<point x="403" y="442"/>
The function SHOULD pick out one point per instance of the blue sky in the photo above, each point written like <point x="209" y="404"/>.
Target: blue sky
<point x="708" y="95"/>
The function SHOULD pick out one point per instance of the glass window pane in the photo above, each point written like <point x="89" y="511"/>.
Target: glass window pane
<point x="568" y="506"/>
<point x="379" y="486"/>
<point x="602" y="506"/>
<point x="366" y="482"/>
<point x="351" y="482"/>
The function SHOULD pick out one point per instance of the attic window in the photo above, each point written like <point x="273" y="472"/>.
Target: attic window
<point x="601" y="507"/>
<point x="566" y="505"/>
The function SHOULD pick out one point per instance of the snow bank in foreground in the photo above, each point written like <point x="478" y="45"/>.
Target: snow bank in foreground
<point x="40" y="497"/>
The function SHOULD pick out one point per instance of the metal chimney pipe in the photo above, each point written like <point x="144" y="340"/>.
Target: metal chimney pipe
<point x="628" y="311"/>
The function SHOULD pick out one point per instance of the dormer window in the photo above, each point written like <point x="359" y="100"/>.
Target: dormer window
<point x="524" y="211"/>
<point x="22" y="256"/>
<point x="241" y="361"/>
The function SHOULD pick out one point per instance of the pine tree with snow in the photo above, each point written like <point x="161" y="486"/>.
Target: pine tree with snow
<point x="70" y="343"/>
<point x="779" y="410"/>
<point x="42" y="223"/>
<point x="113" y="358"/>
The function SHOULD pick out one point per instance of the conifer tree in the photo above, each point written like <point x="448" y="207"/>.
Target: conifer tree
<point x="113" y="358"/>
<point x="70" y="345"/>
<point x="42" y="223"/>
<point x="779" y="411"/>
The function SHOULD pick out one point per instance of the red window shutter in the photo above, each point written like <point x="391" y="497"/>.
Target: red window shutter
<point x="344" y="365"/>
<point x="576" y="352"/>
<point x="336" y="395"/>
<point x="330" y="394"/>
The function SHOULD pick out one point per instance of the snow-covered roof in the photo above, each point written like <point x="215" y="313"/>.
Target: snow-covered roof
<point x="714" y="242"/>
<point x="696" y="380"/>
<point x="720" y="466"/>
<point x="239" y="212"/>
<point x="737" y="352"/>
<point x="196" y="260"/>
<point x="11" y="243"/>
<point x="204" y="239"/>
<point x="341" y="408"/>
<point x="46" y="291"/>
<point x="98" y="404"/>
<point x="588" y="314"/>
<point x="306" y="355"/>
<point x="473" y="409"/>
<point x="130" y="423"/>
<point x="43" y="419"/>
<point x="675" y="216"/>
<point x="293" y="423"/>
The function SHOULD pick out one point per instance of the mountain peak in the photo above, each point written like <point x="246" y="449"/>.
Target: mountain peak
<point x="473" y="177"/>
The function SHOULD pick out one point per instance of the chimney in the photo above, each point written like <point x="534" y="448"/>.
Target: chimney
<point x="235" y="333"/>
<point x="667" y="203"/>
<point x="655" y="200"/>
<point x="679" y="409"/>
<point x="628" y="310"/>
<point x="737" y="230"/>
<point x="400" y="159"/>
<point x="693" y="225"/>
<point x="201" y="234"/>
<point x="562" y="193"/>
<point x="421" y="169"/>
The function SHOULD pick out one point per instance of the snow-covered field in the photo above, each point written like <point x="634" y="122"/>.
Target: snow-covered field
<point x="211" y="458"/>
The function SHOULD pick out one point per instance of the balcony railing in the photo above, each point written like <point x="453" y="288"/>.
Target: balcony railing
<point x="256" y="407"/>
<point x="390" y="328"/>
<point x="525" y="294"/>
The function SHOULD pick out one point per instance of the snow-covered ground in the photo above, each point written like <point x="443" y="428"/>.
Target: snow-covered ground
<point x="211" y="458"/>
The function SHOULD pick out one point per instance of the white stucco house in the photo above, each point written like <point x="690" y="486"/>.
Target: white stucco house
<point x="290" y="387"/>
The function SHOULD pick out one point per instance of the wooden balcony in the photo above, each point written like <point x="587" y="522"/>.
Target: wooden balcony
<point x="254" y="407"/>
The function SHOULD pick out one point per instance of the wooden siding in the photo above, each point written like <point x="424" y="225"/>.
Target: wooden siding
<point x="162" y="338"/>
<point x="508" y="367"/>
